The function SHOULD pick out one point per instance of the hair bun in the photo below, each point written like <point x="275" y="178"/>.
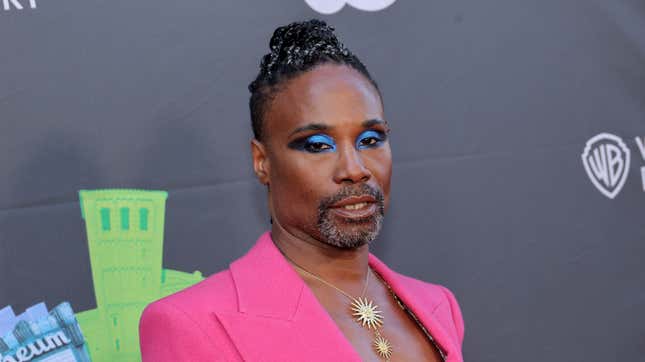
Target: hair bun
<point x="298" y="43"/>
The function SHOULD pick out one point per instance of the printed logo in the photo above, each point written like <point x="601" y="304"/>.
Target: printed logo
<point x="606" y="160"/>
<point x="332" y="6"/>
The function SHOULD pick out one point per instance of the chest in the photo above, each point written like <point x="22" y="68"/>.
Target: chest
<point x="400" y="328"/>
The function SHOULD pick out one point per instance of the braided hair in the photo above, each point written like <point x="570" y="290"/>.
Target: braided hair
<point x="295" y="49"/>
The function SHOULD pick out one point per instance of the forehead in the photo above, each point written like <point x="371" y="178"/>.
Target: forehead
<point x="336" y="95"/>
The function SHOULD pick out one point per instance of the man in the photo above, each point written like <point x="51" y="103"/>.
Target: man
<point x="309" y="290"/>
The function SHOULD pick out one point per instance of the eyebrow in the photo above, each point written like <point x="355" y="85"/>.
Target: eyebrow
<point x="373" y="122"/>
<point x="323" y="127"/>
<point x="311" y="127"/>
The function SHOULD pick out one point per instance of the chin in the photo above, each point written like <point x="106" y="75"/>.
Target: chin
<point x="350" y="234"/>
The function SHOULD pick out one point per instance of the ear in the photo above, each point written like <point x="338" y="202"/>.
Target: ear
<point x="261" y="164"/>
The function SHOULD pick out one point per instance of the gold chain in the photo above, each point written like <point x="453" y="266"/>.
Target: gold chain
<point x="367" y="279"/>
<point x="382" y="345"/>
<point x="364" y="311"/>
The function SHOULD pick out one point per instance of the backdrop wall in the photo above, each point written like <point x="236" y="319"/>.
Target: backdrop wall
<point x="491" y="104"/>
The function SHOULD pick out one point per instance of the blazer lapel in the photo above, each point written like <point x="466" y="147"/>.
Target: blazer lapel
<point x="422" y="303"/>
<point x="278" y="317"/>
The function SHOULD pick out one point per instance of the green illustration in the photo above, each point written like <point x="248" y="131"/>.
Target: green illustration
<point x="125" y="236"/>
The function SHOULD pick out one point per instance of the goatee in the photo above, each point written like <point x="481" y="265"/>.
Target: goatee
<point x="355" y="232"/>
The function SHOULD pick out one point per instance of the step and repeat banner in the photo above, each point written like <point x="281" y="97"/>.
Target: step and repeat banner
<point x="518" y="137"/>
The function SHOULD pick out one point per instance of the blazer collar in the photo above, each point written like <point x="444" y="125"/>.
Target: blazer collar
<point x="277" y="311"/>
<point x="278" y="318"/>
<point x="266" y="283"/>
<point x="413" y="293"/>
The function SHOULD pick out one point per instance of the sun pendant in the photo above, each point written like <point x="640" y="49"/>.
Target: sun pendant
<point x="367" y="313"/>
<point x="383" y="347"/>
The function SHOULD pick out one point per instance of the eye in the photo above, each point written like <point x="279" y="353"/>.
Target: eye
<point x="317" y="143"/>
<point x="370" y="139"/>
<point x="316" y="147"/>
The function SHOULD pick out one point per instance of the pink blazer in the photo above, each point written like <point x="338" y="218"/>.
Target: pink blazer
<point x="261" y="310"/>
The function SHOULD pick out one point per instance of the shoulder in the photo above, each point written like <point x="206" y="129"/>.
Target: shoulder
<point x="199" y="301"/>
<point x="433" y="292"/>
<point x="438" y="293"/>
<point x="213" y="293"/>
<point x="433" y="295"/>
<point x="182" y="326"/>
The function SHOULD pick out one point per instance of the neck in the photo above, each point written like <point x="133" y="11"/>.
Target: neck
<point x="345" y="268"/>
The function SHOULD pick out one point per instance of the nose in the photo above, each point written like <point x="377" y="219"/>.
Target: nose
<point x="350" y="167"/>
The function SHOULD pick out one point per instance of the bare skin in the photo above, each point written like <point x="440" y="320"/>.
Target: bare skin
<point x="345" y="105"/>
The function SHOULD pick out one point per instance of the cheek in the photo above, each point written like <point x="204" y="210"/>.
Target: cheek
<point x="382" y="171"/>
<point x="298" y="184"/>
<point x="297" y="174"/>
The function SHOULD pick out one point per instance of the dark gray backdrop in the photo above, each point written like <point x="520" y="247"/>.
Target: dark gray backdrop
<point x="491" y="104"/>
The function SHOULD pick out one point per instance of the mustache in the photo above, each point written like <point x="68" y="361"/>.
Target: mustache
<point x="348" y="191"/>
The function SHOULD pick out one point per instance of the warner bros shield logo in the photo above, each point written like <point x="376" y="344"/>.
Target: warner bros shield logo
<point x="606" y="160"/>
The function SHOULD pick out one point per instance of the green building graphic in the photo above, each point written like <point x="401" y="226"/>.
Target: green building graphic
<point x="125" y="237"/>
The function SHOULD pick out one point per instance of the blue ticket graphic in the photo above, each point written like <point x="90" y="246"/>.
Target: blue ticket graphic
<point x="41" y="336"/>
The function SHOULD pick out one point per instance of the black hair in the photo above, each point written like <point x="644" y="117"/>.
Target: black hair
<point x="295" y="49"/>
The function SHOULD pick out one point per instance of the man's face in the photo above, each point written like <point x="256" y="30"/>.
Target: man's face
<point x="327" y="159"/>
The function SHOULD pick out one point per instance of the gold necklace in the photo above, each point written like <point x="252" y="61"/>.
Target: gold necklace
<point x="364" y="311"/>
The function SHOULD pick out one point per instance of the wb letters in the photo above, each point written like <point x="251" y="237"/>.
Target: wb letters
<point x="640" y="141"/>
<point x="8" y="5"/>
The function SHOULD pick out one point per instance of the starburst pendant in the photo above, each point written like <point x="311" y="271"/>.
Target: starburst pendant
<point x="383" y="347"/>
<point x="366" y="313"/>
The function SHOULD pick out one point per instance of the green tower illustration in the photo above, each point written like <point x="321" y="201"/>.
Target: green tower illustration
<point x="125" y="236"/>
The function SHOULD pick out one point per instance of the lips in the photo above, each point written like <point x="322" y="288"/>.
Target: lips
<point x="353" y="200"/>
<point x="355" y="207"/>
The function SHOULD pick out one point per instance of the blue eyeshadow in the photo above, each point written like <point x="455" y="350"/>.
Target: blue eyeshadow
<point x="376" y="138"/>
<point x="316" y="143"/>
